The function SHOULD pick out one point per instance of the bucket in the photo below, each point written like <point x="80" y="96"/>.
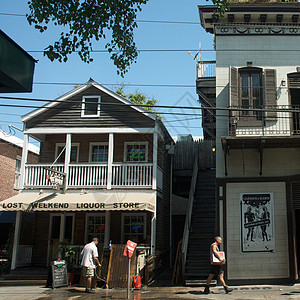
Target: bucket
<point x="137" y="283"/>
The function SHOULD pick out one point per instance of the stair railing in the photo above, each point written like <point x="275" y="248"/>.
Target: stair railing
<point x="188" y="217"/>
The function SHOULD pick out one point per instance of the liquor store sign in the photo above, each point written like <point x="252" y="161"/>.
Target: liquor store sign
<point x="40" y="206"/>
<point x="80" y="201"/>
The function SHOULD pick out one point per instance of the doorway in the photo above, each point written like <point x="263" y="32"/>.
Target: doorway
<point x="61" y="229"/>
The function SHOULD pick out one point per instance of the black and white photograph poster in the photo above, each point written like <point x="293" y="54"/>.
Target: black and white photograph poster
<point x="257" y="222"/>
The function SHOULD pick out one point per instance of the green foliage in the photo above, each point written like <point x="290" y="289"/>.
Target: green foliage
<point x="68" y="253"/>
<point x="83" y="21"/>
<point x="140" y="99"/>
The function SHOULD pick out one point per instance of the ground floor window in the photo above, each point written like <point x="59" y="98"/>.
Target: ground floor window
<point x="95" y="227"/>
<point x="134" y="227"/>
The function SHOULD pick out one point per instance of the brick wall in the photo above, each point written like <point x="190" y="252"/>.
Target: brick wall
<point x="8" y="155"/>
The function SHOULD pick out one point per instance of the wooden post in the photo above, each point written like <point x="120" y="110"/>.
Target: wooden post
<point x="24" y="160"/>
<point x="16" y="240"/>
<point x="67" y="158"/>
<point x="110" y="160"/>
<point x="155" y="151"/>
<point x="107" y="228"/>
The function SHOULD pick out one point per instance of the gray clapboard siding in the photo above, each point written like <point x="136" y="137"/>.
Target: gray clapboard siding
<point x="113" y="113"/>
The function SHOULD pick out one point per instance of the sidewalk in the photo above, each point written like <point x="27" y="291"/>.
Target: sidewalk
<point x="239" y="293"/>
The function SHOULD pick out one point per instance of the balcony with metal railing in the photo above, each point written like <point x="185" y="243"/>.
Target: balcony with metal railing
<point x="280" y="121"/>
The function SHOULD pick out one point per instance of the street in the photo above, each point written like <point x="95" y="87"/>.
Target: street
<point x="240" y="292"/>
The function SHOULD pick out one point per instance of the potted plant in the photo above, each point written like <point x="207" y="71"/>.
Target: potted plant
<point x="68" y="253"/>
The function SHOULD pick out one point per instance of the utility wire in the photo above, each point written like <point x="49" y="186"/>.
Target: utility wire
<point x="275" y="109"/>
<point x="153" y="85"/>
<point x="137" y="20"/>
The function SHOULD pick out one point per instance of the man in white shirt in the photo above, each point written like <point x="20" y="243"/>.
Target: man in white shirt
<point x="89" y="256"/>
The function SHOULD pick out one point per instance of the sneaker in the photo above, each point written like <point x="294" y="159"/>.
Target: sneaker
<point x="89" y="291"/>
<point x="227" y="289"/>
<point x="206" y="290"/>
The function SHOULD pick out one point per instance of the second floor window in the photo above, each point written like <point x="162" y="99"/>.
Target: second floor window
<point x="136" y="152"/>
<point x="251" y="90"/>
<point x="90" y="106"/>
<point x="98" y="152"/>
<point x="74" y="155"/>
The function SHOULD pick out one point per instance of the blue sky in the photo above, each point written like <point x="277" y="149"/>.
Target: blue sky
<point x="170" y="68"/>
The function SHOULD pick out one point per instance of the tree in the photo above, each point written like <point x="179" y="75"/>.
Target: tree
<point x="140" y="99"/>
<point x="85" y="20"/>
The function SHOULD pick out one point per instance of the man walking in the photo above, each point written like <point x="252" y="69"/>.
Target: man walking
<point x="216" y="270"/>
<point x="89" y="256"/>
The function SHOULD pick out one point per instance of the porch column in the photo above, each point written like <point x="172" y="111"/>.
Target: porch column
<point x="24" y="160"/>
<point x="107" y="228"/>
<point x="155" y="151"/>
<point x="67" y="157"/>
<point x="16" y="240"/>
<point x="153" y="232"/>
<point x="110" y="160"/>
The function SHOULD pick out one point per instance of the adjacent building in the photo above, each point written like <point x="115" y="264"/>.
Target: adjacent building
<point x="103" y="172"/>
<point x="10" y="166"/>
<point x="257" y="94"/>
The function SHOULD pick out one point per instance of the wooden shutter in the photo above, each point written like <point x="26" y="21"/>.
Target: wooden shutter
<point x="234" y="90"/>
<point x="270" y="94"/>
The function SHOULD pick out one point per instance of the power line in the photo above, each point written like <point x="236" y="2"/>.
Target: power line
<point x="116" y="84"/>
<point x="272" y="109"/>
<point x="137" y="20"/>
<point x="151" y="85"/>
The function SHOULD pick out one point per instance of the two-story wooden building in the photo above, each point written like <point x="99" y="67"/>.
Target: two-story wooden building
<point x="103" y="172"/>
<point x="257" y="83"/>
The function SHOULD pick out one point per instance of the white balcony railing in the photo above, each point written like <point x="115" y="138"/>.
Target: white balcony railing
<point x="86" y="175"/>
<point x="131" y="175"/>
<point x="36" y="175"/>
<point x="91" y="175"/>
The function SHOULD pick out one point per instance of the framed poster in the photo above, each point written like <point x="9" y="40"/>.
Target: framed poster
<point x="257" y="222"/>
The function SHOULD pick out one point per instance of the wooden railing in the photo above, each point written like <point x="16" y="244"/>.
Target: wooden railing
<point x="87" y="175"/>
<point x="131" y="175"/>
<point x="206" y="69"/>
<point x="92" y="175"/>
<point x="36" y="175"/>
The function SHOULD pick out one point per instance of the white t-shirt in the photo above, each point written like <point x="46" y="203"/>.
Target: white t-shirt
<point x="89" y="252"/>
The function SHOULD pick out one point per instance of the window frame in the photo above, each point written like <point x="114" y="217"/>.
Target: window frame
<point x="86" y="225"/>
<point x="83" y="115"/>
<point x="132" y="214"/>
<point x="91" y="151"/>
<point x="136" y="143"/>
<point x="251" y="116"/>
<point x="72" y="145"/>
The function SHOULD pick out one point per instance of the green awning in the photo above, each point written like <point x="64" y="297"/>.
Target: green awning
<point x="16" y="67"/>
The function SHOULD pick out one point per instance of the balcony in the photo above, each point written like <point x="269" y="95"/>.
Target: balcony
<point x="284" y="121"/>
<point x="206" y="69"/>
<point x="122" y="175"/>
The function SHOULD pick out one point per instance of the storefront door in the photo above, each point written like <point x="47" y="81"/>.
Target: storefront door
<point x="61" y="230"/>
